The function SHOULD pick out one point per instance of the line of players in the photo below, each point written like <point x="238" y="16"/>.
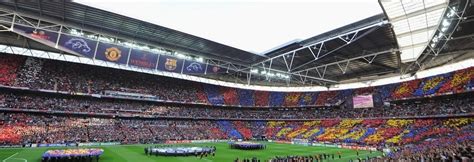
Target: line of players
<point x="207" y="151"/>
<point x="309" y="158"/>
<point x="71" y="159"/>
<point x="248" y="147"/>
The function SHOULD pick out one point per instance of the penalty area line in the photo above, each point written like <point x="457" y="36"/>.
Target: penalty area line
<point x="21" y="159"/>
<point x="5" y="160"/>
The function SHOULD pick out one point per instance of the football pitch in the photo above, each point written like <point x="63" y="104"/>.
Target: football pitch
<point x="135" y="153"/>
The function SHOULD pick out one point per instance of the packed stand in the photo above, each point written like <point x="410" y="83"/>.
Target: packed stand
<point x="410" y="139"/>
<point x="19" y="128"/>
<point x="75" y="78"/>
<point x="60" y="129"/>
<point x="32" y="101"/>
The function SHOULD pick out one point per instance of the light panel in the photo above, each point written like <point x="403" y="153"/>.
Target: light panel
<point x="414" y="23"/>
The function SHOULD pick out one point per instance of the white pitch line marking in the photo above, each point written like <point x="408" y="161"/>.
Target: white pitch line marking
<point x="5" y="160"/>
<point x="21" y="159"/>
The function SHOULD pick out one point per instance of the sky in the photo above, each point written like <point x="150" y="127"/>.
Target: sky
<point x="251" y="25"/>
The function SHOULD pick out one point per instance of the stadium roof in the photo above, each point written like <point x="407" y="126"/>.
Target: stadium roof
<point x="363" y="50"/>
<point x="251" y="25"/>
<point x="356" y="40"/>
<point x="94" y="19"/>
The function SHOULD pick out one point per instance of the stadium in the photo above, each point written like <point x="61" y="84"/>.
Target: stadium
<point x="83" y="83"/>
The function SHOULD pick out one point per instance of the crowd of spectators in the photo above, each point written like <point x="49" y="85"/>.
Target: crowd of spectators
<point x="393" y="132"/>
<point x="435" y="151"/>
<point x="176" y="121"/>
<point x="61" y="129"/>
<point x="75" y="104"/>
<point x="308" y="158"/>
<point x="9" y="66"/>
<point x="26" y="128"/>
<point x="454" y="146"/>
<point x="411" y="138"/>
<point x="78" y="78"/>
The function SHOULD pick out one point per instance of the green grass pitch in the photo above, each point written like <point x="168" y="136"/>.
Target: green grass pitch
<point x="135" y="153"/>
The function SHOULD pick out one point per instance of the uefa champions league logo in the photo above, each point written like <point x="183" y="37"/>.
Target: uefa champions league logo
<point x="194" y="67"/>
<point x="78" y="44"/>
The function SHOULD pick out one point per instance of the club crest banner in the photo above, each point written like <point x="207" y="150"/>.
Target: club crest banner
<point x="170" y="64"/>
<point x="112" y="53"/>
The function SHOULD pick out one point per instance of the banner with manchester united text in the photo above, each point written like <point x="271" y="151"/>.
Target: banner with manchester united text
<point x="170" y="64"/>
<point x="112" y="53"/>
